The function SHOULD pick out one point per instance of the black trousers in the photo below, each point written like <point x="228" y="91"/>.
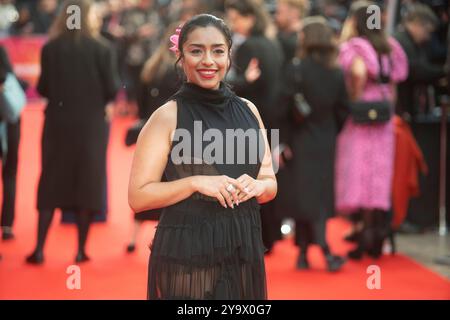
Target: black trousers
<point x="310" y="232"/>
<point x="9" y="175"/>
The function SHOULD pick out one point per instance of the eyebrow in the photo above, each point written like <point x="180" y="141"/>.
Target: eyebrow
<point x="202" y="46"/>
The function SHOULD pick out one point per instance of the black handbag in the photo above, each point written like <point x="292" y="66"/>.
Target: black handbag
<point x="367" y="112"/>
<point x="300" y="107"/>
<point x="371" y="111"/>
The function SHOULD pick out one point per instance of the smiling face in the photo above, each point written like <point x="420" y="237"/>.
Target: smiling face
<point x="205" y="57"/>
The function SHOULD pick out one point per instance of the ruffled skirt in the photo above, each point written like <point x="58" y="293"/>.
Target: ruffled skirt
<point x="204" y="251"/>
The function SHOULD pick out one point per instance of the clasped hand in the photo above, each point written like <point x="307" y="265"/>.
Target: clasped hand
<point x="229" y="191"/>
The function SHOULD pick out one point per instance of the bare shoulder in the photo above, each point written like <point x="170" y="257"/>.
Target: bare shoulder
<point x="163" y="120"/>
<point x="167" y="111"/>
<point x="251" y="105"/>
<point x="254" y="109"/>
<point x="165" y="114"/>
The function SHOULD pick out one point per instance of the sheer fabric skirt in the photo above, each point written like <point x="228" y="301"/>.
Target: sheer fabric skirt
<point x="204" y="251"/>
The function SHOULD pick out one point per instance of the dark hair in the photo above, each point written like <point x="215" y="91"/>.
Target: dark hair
<point x="318" y="42"/>
<point x="203" y="21"/>
<point x="376" y="37"/>
<point x="59" y="25"/>
<point x="161" y="60"/>
<point x="251" y="8"/>
<point x="421" y="13"/>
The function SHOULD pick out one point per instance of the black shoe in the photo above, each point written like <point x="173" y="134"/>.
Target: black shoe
<point x="7" y="235"/>
<point x="334" y="263"/>
<point x="81" y="257"/>
<point x="302" y="262"/>
<point x="352" y="237"/>
<point x="131" y="248"/>
<point x="356" y="254"/>
<point x="374" y="253"/>
<point x="37" y="257"/>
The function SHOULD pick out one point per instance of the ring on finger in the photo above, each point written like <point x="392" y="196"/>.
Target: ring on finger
<point x="230" y="188"/>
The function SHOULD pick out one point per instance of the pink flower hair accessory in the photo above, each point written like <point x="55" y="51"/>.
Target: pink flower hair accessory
<point x="174" y="39"/>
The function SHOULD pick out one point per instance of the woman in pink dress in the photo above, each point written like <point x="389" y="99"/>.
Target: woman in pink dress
<point x="373" y="63"/>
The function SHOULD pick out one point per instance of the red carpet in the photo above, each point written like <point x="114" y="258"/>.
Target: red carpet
<point x="113" y="274"/>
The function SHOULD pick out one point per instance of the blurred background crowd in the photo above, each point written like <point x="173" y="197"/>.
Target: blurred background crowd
<point x="329" y="163"/>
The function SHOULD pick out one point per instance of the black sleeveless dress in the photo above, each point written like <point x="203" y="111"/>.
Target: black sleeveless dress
<point x="202" y="250"/>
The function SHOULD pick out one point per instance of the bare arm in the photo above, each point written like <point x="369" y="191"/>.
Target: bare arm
<point x="358" y="71"/>
<point x="145" y="189"/>
<point x="265" y="186"/>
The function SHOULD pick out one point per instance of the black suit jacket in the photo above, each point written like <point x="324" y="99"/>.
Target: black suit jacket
<point x="265" y="90"/>
<point x="421" y="73"/>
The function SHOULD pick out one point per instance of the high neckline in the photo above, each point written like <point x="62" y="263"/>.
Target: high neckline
<point x="216" y="98"/>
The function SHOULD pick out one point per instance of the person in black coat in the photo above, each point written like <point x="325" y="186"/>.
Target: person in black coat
<point x="309" y="195"/>
<point x="257" y="50"/>
<point x="418" y="24"/>
<point x="78" y="77"/>
<point x="9" y="168"/>
<point x="257" y="64"/>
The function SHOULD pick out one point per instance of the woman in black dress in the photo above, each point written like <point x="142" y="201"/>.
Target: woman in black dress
<point x="208" y="242"/>
<point x="78" y="78"/>
<point x="307" y="185"/>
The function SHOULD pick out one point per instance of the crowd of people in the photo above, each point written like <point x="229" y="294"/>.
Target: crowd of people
<point x="307" y="66"/>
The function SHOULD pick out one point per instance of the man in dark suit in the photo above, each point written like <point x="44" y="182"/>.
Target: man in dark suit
<point x="418" y="24"/>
